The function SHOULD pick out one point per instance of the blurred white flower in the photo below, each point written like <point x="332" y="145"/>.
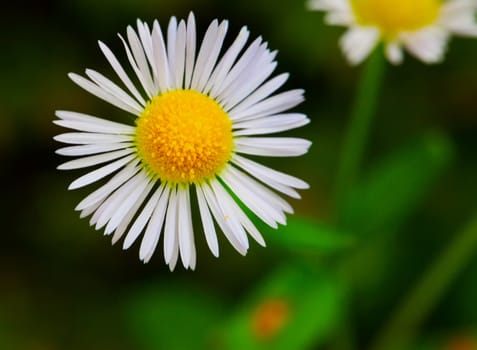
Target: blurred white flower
<point x="422" y="27"/>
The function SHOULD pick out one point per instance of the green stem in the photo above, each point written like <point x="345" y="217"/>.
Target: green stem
<point x="429" y="290"/>
<point x="359" y="126"/>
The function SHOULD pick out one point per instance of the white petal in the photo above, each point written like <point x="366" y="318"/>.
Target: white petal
<point x="100" y="173"/>
<point x="242" y="89"/>
<point x="264" y="203"/>
<point x="270" y="124"/>
<point x="145" y="37"/>
<point x="174" y="257"/>
<point x="208" y="54"/>
<point x="273" y="183"/>
<point x="154" y="227"/>
<point x="113" y="61"/>
<point x="226" y="63"/>
<point x="190" y="50"/>
<point x="123" y="225"/>
<point x="265" y="173"/>
<point x="94" y="160"/>
<point x="137" y="50"/>
<point x="289" y="191"/>
<point x="150" y="91"/>
<point x="463" y="25"/>
<point x="428" y="44"/>
<point x="340" y="18"/>
<point x="458" y="16"/>
<point x="250" y="80"/>
<point x="87" y="127"/>
<point x="107" y="208"/>
<point x="272" y="146"/>
<point x="394" y="53"/>
<point x="358" y="42"/>
<point x="180" y="55"/>
<point x="104" y="191"/>
<point x="113" y="89"/>
<point x="147" y="44"/>
<point x="207" y="44"/>
<point x="242" y="220"/>
<point x="84" y="138"/>
<point x="271" y="198"/>
<point x="185" y="233"/>
<point x="219" y="216"/>
<point x="162" y="62"/>
<point x="170" y="230"/>
<point x="456" y="7"/>
<point x="253" y="202"/>
<point x="128" y="217"/>
<point x="238" y="67"/>
<point x="207" y="223"/>
<point x="85" y="150"/>
<point x="90" y="210"/>
<point x="193" y="259"/>
<point x="328" y="5"/>
<point x="122" y="197"/>
<point x="149" y="255"/>
<point x="85" y="122"/>
<point x="250" y="227"/>
<point x="171" y="44"/>
<point x="225" y="202"/>
<point x="193" y="252"/>
<point x="262" y="92"/>
<point x="134" y="198"/>
<point x="143" y="218"/>
<point x="272" y="105"/>
<point x="103" y="94"/>
<point x="339" y="12"/>
<point x="140" y="60"/>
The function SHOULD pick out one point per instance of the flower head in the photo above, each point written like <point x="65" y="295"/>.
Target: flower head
<point x="197" y="118"/>
<point x="423" y="27"/>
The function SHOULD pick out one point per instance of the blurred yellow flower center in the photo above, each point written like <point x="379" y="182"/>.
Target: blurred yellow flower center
<point x="394" y="16"/>
<point x="184" y="136"/>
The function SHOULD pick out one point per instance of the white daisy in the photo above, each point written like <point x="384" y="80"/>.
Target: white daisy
<point x="197" y="119"/>
<point x="423" y="27"/>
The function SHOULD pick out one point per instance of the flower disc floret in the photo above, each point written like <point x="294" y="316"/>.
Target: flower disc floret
<point x="395" y="16"/>
<point x="184" y="136"/>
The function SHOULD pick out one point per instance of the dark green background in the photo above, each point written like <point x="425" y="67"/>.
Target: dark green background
<point x="62" y="285"/>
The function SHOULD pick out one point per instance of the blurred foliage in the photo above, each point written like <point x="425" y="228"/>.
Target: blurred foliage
<point x="293" y="308"/>
<point x="304" y="235"/>
<point x="62" y="286"/>
<point x="174" y="317"/>
<point x="393" y="190"/>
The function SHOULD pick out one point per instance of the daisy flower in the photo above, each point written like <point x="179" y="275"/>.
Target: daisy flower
<point x="198" y="118"/>
<point x="422" y="27"/>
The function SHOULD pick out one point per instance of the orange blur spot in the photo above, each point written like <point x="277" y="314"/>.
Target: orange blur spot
<point x="270" y="318"/>
<point x="462" y="342"/>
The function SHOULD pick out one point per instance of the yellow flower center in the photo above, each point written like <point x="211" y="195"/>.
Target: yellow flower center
<point x="394" y="16"/>
<point x="184" y="136"/>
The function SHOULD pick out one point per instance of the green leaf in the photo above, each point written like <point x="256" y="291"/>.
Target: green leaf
<point x="173" y="317"/>
<point x="395" y="188"/>
<point x="294" y="308"/>
<point x="306" y="235"/>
